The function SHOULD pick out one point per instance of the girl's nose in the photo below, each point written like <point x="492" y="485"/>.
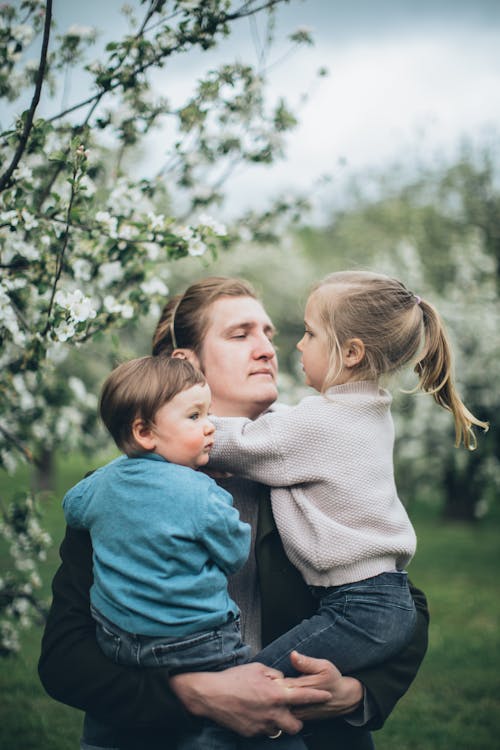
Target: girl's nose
<point x="299" y="344"/>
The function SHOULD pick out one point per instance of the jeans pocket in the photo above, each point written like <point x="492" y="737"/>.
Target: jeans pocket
<point x="109" y="642"/>
<point x="198" y="651"/>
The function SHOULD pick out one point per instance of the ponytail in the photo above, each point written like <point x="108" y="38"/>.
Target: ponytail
<point x="434" y="370"/>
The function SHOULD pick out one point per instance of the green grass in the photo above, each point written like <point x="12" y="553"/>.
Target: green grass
<point x="454" y="702"/>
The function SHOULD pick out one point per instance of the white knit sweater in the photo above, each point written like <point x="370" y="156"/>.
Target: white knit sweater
<point x="329" y="463"/>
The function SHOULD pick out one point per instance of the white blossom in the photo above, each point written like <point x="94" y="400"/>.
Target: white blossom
<point x="23" y="33"/>
<point x="154" y="286"/>
<point x="208" y="221"/>
<point x="64" y="331"/>
<point x="152" y="250"/>
<point x="109" y="222"/>
<point x="30" y="222"/>
<point x="23" y="173"/>
<point x="156" y="221"/>
<point x="185" y="233"/>
<point x="196" y="246"/>
<point x="112" y="305"/>
<point x="77" y="304"/>
<point x="82" y="269"/>
<point x="8" y="461"/>
<point x="84" y="32"/>
<point x="109" y="273"/>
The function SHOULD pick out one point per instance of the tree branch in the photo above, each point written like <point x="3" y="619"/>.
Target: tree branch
<point x="245" y="11"/>
<point x="5" y="178"/>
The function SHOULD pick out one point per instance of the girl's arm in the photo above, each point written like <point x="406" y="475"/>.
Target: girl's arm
<point x="258" y="449"/>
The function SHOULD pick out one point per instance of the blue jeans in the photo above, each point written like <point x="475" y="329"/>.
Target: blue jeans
<point x="357" y="625"/>
<point x="209" y="650"/>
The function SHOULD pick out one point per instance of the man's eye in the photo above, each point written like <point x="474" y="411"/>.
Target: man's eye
<point x="238" y="336"/>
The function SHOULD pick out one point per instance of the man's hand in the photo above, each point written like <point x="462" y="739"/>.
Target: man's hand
<point x="249" y="699"/>
<point x="344" y="693"/>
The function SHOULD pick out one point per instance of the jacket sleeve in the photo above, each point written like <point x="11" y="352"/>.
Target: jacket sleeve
<point x="72" y="667"/>
<point x="388" y="682"/>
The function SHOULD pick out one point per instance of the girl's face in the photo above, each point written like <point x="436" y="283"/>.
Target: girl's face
<point x="314" y="346"/>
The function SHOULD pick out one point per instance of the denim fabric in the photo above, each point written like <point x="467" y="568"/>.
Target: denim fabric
<point x="357" y="625"/>
<point x="211" y="650"/>
<point x="208" y="651"/>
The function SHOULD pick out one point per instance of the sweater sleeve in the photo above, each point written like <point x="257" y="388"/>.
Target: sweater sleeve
<point x="388" y="682"/>
<point x="72" y="667"/>
<point x="257" y="449"/>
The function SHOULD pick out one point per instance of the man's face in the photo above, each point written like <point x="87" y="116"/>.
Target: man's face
<point x="238" y="357"/>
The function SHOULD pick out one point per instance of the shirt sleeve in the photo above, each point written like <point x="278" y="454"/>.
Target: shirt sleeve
<point x="221" y="532"/>
<point x="72" y="668"/>
<point x="74" y="507"/>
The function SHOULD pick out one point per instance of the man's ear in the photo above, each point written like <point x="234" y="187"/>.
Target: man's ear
<point x="187" y="354"/>
<point x="354" y="352"/>
<point x="143" y="435"/>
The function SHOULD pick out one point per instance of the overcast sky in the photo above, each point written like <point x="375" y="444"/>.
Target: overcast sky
<point x="404" y="75"/>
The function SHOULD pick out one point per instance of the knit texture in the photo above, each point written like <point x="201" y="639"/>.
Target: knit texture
<point x="165" y="538"/>
<point x="329" y="462"/>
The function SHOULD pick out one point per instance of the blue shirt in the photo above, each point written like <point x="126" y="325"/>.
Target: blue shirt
<point x="165" y="538"/>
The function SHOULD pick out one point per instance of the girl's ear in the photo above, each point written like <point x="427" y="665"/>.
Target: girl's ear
<point x="187" y="354"/>
<point x="143" y="435"/>
<point x="354" y="352"/>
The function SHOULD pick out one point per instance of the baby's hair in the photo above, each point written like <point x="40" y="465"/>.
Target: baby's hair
<point x="397" y="328"/>
<point x="137" y="389"/>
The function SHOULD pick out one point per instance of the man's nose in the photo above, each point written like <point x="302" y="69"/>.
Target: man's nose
<point x="264" y="348"/>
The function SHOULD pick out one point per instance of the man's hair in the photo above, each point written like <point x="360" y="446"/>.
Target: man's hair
<point x="185" y="318"/>
<point x="137" y="389"/>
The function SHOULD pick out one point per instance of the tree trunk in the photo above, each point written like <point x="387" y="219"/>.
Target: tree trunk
<point x="44" y="478"/>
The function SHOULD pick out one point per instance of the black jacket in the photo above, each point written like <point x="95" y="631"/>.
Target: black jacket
<point x="137" y="705"/>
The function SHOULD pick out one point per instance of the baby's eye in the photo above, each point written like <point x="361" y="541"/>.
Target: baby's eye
<point x="195" y="415"/>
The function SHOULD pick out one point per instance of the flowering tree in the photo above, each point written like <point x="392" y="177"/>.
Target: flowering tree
<point x="83" y="245"/>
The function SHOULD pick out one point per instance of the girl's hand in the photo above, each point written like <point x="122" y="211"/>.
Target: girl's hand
<point x="345" y="693"/>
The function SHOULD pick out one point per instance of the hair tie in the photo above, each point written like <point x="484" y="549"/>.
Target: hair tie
<point x="172" y="323"/>
<point x="418" y="299"/>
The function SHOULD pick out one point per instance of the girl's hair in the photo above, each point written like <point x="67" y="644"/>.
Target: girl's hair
<point x="185" y="318"/>
<point x="396" y="328"/>
<point x="137" y="389"/>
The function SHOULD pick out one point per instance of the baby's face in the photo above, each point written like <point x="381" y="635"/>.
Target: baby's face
<point x="182" y="431"/>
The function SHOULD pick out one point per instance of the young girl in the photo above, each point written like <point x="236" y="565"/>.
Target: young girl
<point x="329" y="461"/>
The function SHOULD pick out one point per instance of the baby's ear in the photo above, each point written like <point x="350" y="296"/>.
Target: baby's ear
<point x="354" y="352"/>
<point x="143" y="434"/>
